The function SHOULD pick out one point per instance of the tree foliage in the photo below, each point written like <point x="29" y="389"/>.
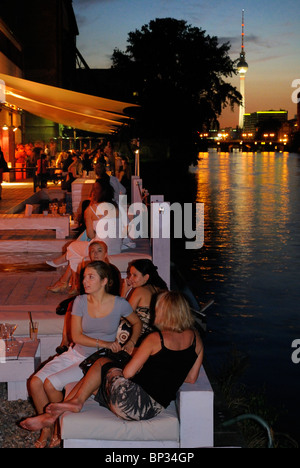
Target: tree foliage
<point x="178" y="74"/>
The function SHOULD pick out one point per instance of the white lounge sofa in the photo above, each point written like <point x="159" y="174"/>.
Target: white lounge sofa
<point x="186" y="423"/>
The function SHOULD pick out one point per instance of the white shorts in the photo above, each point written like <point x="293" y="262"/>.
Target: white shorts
<point x="76" y="252"/>
<point x="62" y="369"/>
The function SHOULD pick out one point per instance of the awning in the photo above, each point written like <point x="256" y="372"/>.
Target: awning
<point x="66" y="107"/>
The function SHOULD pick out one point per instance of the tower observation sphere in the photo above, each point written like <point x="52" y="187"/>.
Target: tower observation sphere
<point x="242" y="68"/>
<point x="242" y="65"/>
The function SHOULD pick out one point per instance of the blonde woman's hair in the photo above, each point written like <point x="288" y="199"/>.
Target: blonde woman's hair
<point x="100" y="242"/>
<point x="172" y="312"/>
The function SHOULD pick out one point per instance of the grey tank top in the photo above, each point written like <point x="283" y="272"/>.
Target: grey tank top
<point x="104" y="328"/>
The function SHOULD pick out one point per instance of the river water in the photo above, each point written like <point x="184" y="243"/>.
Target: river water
<point x="250" y="266"/>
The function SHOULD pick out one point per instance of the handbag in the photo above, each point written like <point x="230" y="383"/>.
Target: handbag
<point x="121" y="359"/>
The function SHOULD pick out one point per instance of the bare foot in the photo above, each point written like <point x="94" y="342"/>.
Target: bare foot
<point x="56" y="409"/>
<point x="38" y="422"/>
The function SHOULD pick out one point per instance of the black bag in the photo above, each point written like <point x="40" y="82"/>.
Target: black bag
<point x="63" y="306"/>
<point x="120" y="358"/>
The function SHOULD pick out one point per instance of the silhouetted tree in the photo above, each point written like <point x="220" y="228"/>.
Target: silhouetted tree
<point x="177" y="74"/>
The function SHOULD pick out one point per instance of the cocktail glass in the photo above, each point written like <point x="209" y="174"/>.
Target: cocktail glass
<point x="5" y="334"/>
<point x="12" y="328"/>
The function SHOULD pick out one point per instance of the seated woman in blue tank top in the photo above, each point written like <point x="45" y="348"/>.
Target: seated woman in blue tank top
<point x="150" y="381"/>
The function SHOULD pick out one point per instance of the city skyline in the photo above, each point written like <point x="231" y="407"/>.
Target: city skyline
<point x="272" y="40"/>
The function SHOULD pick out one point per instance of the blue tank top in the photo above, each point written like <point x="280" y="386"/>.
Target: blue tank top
<point x="164" y="372"/>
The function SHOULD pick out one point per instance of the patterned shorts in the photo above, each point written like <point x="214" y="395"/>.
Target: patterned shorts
<point x="126" y="399"/>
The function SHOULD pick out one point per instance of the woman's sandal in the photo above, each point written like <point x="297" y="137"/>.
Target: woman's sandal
<point x="58" y="287"/>
<point x="73" y="291"/>
<point x="55" y="442"/>
<point x="40" y="444"/>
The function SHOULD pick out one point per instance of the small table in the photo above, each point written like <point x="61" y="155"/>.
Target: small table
<point x="18" y="367"/>
<point x="14" y="222"/>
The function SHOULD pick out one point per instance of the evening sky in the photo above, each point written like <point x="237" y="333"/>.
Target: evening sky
<point x="272" y="39"/>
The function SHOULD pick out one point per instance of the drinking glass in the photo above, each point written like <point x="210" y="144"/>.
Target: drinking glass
<point x="33" y="330"/>
<point x="11" y="330"/>
<point x="5" y="334"/>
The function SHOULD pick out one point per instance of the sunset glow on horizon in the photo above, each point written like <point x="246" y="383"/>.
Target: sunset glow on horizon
<point x="272" y="40"/>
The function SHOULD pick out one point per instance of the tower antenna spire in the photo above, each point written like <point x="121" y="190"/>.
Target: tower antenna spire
<point x="242" y="68"/>
<point x="243" y="30"/>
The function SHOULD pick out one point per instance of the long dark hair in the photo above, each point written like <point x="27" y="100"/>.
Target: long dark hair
<point x="146" y="267"/>
<point x="107" y="191"/>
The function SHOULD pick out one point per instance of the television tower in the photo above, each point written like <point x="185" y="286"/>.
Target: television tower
<point x="242" y="68"/>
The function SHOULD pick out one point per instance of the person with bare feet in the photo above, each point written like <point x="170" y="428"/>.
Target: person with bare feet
<point x="94" y="324"/>
<point x="165" y="359"/>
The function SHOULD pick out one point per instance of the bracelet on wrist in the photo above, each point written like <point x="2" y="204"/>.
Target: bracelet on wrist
<point x="132" y="341"/>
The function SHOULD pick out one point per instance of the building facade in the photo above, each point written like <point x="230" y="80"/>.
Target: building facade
<point x="11" y="63"/>
<point x="46" y="34"/>
<point x="256" y="120"/>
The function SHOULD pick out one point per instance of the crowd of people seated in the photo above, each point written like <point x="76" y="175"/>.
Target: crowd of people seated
<point x="105" y="315"/>
<point x="116" y="315"/>
<point x="163" y="348"/>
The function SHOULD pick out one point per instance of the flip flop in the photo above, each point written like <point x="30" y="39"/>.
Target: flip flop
<point x="40" y="444"/>
<point x="55" y="442"/>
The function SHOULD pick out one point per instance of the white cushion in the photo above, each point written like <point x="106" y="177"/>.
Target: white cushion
<point x="98" y="423"/>
<point x="121" y="260"/>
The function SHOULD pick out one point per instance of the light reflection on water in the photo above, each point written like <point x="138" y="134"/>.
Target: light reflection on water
<point x="250" y="265"/>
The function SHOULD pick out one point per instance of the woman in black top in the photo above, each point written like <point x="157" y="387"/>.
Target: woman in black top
<point x="148" y="383"/>
<point x="145" y="284"/>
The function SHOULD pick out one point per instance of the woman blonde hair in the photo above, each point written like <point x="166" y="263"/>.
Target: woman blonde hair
<point x="99" y="242"/>
<point x="172" y="312"/>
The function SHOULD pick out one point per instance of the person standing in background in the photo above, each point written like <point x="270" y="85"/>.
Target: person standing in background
<point x="41" y="172"/>
<point x="3" y="168"/>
